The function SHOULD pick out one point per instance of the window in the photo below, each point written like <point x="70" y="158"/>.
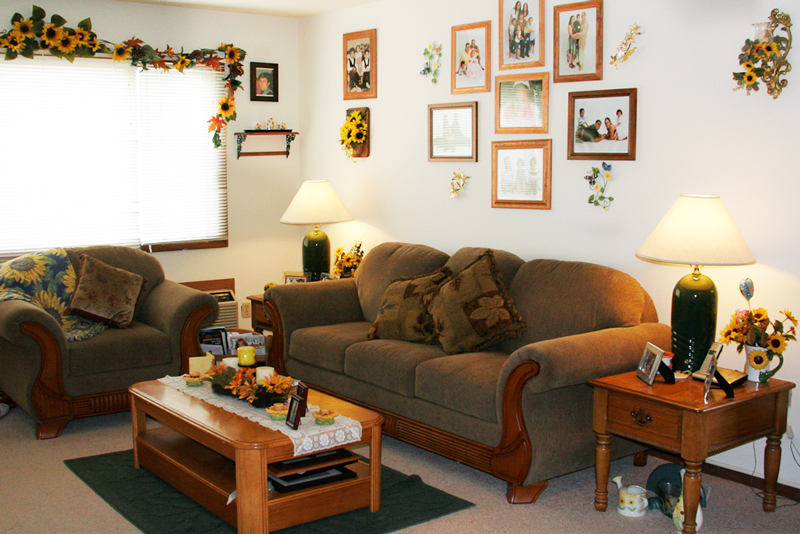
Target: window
<point x="98" y="152"/>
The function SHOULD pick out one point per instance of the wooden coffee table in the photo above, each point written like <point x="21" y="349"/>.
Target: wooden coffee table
<point x="207" y="453"/>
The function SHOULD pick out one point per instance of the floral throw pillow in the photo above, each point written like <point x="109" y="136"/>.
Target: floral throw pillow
<point x="104" y="293"/>
<point x="403" y="315"/>
<point x="472" y="310"/>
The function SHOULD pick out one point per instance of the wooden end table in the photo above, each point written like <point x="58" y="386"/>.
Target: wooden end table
<point x="207" y="453"/>
<point x="259" y="319"/>
<point x="674" y="418"/>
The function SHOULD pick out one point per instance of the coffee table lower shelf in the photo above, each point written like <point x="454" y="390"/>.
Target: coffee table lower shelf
<point x="209" y="478"/>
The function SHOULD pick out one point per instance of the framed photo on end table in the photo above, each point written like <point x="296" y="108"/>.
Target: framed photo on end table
<point x="648" y="365"/>
<point x="578" y="42"/>
<point x="521" y="174"/>
<point x="471" y="65"/>
<point x="453" y="132"/>
<point x="360" y="50"/>
<point x="263" y="82"/>
<point x="602" y="125"/>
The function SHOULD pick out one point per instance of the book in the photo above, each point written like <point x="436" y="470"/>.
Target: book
<point x="214" y="340"/>
<point x="258" y="341"/>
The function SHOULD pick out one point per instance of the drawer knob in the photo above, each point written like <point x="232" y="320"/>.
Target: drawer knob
<point x="641" y="417"/>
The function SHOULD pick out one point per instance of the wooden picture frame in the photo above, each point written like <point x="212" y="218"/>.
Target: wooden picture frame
<point x="471" y="62"/>
<point x="453" y="132"/>
<point x="526" y="49"/>
<point x="302" y="392"/>
<point x="522" y="174"/>
<point x="360" y="67"/>
<point x="521" y="103"/>
<point x="263" y="82"/>
<point x="578" y="59"/>
<point x="648" y="365"/>
<point x="614" y="137"/>
<point x="294" y="277"/>
<point x="294" y="415"/>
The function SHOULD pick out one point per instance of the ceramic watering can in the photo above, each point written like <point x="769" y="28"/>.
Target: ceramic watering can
<point x="632" y="499"/>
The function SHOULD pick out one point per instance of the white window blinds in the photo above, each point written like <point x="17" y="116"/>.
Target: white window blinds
<point x="98" y="152"/>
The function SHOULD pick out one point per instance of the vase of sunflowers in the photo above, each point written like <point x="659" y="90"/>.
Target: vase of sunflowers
<point x="345" y="264"/>
<point x="354" y="133"/>
<point x="763" y="340"/>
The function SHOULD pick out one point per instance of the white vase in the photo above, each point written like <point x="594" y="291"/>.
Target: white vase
<point x="753" y="374"/>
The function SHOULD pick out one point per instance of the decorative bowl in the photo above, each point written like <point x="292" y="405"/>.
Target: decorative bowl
<point x="193" y="381"/>
<point x="327" y="419"/>
<point x="277" y="415"/>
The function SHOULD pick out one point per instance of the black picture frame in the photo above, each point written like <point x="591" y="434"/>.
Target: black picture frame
<point x="302" y="392"/>
<point x="293" y="417"/>
<point x="269" y="71"/>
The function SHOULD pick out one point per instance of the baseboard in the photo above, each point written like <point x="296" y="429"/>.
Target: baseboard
<point x="735" y="476"/>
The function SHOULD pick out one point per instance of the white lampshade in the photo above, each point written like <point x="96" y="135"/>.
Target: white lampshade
<point x="697" y="230"/>
<point x="316" y="203"/>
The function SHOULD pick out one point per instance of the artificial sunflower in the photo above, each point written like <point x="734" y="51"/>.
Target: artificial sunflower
<point x="758" y="359"/>
<point x="791" y="318"/>
<point x="227" y="108"/>
<point x="182" y="63"/>
<point x="760" y="315"/>
<point x="24" y="27"/>
<point x="750" y="78"/>
<point x="81" y="37"/>
<point x="748" y="65"/>
<point x="14" y="42"/>
<point x="67" y="43"/>
<point x="232" y="54"/>
<point x="51" y="34"/>
<point x="121" y="52"/>
<point x="93" y="43"/>
<point x="777" y="343"/>
<point x="726" y="336"/>
<point x="770" y="49"/>
<point x="27" y="269"/>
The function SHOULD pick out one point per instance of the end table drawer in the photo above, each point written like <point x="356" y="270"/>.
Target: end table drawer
<point x="645" y="420"/>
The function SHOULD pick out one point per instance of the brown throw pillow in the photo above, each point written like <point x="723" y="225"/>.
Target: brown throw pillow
<point x="402" y="314"/>
<point x="104" y="293"/>
<point x="472" y="310"/>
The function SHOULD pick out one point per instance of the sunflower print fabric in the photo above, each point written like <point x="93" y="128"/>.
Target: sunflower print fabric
<point x="47" y="279"/>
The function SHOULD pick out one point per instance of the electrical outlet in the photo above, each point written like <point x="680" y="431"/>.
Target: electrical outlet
<point x="789" y="432"/>
<point x="246" y="309"/>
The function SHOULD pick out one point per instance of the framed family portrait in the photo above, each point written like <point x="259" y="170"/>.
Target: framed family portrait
<point x="602" y="125"/>
<point x="521" y="34"/>
<point x="521" y="174"/>
<point x="470" y="68"/>
<point x="578" y="42"/>
<point x="360" y="51"/>
<point x="263" y="82"/>
<point x="521" y="103"/>
<point x="453" y="132"/>
<point x="648" y="365"/>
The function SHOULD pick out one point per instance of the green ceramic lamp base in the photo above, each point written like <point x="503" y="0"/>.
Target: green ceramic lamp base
<point x="694" y="320"/>
<point x="316" y="254"/>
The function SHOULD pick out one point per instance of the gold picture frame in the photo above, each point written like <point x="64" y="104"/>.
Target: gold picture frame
<point x="522" y="174"/>
<point x="471" y="64"/>
<point x="522" y="103"/>
<point x="526" y="49"/>
<point x="360" y="66"/>
<point x="574" y="46"/>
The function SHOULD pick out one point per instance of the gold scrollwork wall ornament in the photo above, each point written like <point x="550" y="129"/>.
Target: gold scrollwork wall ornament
<point x="765" y="57"/>
<point x="624" y="50"/>
<point x="458" y="183"/>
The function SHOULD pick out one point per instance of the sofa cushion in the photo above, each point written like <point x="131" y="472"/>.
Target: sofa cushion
<point x="472" y="310"/>
<point x="104" y="293"/>
<point x="564" y="298"/>
<point x="388" y="363"/>
<point x="387" y="262"/>
<point x="403" y="315"/>
<point x="507" y="263"/>
<point x="114" y="350"/>
<point x="466" y="383"/>
<point x="324" y="346"/>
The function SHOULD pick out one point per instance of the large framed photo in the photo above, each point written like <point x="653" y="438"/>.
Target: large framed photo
<point x="578" y="42"/>
<point x="360" y="65"/>
<point x="521" y="34"/>
<point x="263" y="82"/>
<point x="453" y="132"/>
<point x="471" y="51"/>
<point x="648" y="365"/>
<point x="602" y="125"/>
<point x="521" y="103"/>
<point x="521" y="174"/>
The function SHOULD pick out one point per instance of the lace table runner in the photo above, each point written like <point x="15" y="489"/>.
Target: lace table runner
<point x="309" y="436"/>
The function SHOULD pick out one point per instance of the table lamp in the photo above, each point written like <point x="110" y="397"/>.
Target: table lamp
<point x="696" y="231"/>
<point x="316" y="203"/>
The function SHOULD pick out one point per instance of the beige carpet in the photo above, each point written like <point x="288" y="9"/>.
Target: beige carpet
<point x="38" y="494"/>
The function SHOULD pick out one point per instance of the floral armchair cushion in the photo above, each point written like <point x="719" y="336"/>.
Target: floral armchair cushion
<point x="105" y="294"/>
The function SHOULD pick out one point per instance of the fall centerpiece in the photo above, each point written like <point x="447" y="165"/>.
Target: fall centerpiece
<point x="243" y="384"/>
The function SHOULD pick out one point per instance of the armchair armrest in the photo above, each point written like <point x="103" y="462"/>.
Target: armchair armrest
<point x="180" y="312"/>
<point x="15" y="313"/>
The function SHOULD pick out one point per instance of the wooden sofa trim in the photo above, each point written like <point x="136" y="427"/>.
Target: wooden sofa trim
<point x="190" y="341"/>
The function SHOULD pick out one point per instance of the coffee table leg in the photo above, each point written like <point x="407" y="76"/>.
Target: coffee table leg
<point x="375" y="469"/>
<point x="602" y="466"/>
<point x="139" y="424"/>
<point x="252" y="490"/>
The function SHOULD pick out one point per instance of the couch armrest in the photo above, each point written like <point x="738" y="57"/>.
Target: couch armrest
<point x="294" y="306"/>
<point x="180" y="312"/>
<point x="15" y="313"/>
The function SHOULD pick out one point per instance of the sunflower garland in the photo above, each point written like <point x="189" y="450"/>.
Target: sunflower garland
<point x="31" y="34"/>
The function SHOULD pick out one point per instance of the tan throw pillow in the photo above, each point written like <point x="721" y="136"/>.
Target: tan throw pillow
<point x="402" y="314"/>
<point x="472" y="310"/>
<point x="104" y="293"/>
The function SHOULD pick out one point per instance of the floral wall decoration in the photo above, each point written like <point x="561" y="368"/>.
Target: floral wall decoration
<point x="354" y="134"/>
<point x="458" y="183"/>
<point x="433" y="60"/>
<point x="626" y="48"/>
<point x="598" y="182"/>
<point x="27" y="36"/>
<point x="765" y="58"/>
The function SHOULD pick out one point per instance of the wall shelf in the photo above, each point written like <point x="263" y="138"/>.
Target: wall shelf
<point x="241" y="137"/>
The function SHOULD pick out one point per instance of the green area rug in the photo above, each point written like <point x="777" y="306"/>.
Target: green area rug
<point x="155" y="507"/>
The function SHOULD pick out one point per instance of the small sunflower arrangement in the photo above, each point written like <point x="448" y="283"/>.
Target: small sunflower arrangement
<point x="764" y="59"/>
<point x="598" y="182"/>
<point x="345" y="264"/>
<point x="353" y="132"/>
<point x="754" y="328"/>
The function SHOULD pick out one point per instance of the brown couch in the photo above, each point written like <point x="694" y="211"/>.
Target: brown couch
<point x="520" y="410"/>
<point x="54" y="380"/>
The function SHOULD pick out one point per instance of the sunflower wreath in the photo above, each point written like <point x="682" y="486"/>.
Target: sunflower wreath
<point x="34" y="34"/>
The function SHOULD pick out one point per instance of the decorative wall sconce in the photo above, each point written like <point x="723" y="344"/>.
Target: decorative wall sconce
<point x="626" y="48"/>
<point x="765" y="58"/>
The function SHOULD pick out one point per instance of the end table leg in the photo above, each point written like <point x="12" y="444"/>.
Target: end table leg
<point x="772" y="463"/>
<point x="691" y="495"/>
<point x="375" y="469"/>
<point x="602" y="466"/>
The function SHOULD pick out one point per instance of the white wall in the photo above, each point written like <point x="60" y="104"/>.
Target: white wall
<point x="695" y="135"/>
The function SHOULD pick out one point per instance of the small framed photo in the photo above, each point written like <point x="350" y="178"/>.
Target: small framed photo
<point x="470" y="68"/>
<point x="294" y="277"/>
<point x="263" y="82"/>
<point x="521" y="33"/>
<point x="521" y="174"/>
<point x="294" y="415"/>
<point x="648" y="365"/>
<point x="360" y="51"/>
<point x="453" y="132"/>
<point x="302" y="392"/>
<point x="578" y="42"/>
<point x="521" y="103"/>
<point x="328" y="276"/>
<point x="602" y="125"/>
